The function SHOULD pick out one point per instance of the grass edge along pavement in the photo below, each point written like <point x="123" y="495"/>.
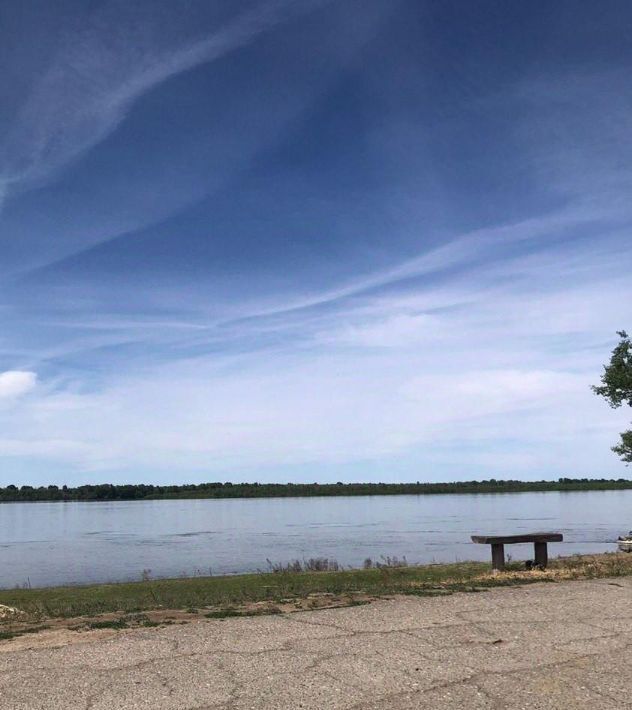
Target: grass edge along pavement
<point x="154" y="602"/>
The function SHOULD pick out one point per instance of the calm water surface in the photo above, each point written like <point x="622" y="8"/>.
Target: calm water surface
<point x="77" y="543"/>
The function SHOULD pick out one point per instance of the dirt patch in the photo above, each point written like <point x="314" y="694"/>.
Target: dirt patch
<point x="51" y="638"/>
<point x="19" y="635"/>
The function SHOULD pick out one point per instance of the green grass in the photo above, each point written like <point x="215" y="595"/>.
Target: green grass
<point x="231" y="612"/>
<point x="223" y="592"/>
<point x="123" y="622"/>
<point x="219" y="596"/>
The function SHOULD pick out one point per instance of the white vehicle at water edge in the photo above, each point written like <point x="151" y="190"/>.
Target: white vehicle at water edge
<point x="624" y="542"/>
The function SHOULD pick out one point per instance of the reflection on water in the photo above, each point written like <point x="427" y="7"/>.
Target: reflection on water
<point x="78" y="543"/>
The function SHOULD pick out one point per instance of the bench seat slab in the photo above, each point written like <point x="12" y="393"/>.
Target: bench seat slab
<point x="512" y="539"/>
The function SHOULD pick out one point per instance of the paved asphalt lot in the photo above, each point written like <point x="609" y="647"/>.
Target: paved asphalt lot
<point x="560" y="646"/>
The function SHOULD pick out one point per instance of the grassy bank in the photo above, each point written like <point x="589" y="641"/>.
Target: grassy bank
<point x="235" y="590"/>
<point x="287" y="590"/>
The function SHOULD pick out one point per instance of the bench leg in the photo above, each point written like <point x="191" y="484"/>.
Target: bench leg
<point x="541" y="554"/>
<point x="498" y="556"/>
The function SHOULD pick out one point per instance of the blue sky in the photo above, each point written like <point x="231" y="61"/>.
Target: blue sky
<point x="311" y="240"/>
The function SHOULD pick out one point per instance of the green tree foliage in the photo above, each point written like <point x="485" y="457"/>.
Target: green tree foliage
<point x="616" y="388"/>
<point x="109" y="492"/>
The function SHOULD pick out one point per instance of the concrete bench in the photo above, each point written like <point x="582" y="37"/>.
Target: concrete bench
<point x="498" y="543"/>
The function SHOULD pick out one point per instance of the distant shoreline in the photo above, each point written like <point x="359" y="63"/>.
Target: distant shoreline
<point x="110" y="492"/>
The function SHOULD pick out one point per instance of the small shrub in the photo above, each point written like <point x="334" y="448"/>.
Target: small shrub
<point x="230" y="613"/>
<point x="313" y="564"/>
<point x="222" y="613"/>
<point x="280" y="568"/>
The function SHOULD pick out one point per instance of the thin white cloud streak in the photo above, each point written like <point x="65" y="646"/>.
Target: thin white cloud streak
<point x="460" y="251"/>
<point x="89" y="89"/>
<point x="245" y="319"/>
<point x="252" y="317"/>
<point x="360" y="315"/>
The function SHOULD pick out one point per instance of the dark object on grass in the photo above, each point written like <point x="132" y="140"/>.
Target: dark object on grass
<point x="531" y="565"/>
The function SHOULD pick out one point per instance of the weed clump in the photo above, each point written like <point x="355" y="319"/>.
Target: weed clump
<point x="313" y="564"/>
<point x="385" y="562"/>
<point x="230" y="612"/>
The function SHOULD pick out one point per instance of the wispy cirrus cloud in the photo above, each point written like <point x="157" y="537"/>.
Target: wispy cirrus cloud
<point x="452" y="332"/>
<point x="100" y="71"/>
<point x="492" y="246"/>
<point x="497" y="358"/>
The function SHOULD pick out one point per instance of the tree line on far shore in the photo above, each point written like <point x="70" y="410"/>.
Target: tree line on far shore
<point x="106" y="491"/>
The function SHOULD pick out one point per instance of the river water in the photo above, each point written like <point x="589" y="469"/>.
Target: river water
<point x="44" y="544"/>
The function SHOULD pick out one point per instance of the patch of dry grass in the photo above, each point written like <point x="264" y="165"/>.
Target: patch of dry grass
<point x="559" y="570"/>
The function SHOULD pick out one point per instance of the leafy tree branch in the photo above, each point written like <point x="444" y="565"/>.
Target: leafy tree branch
<point x="616" y="388"/>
